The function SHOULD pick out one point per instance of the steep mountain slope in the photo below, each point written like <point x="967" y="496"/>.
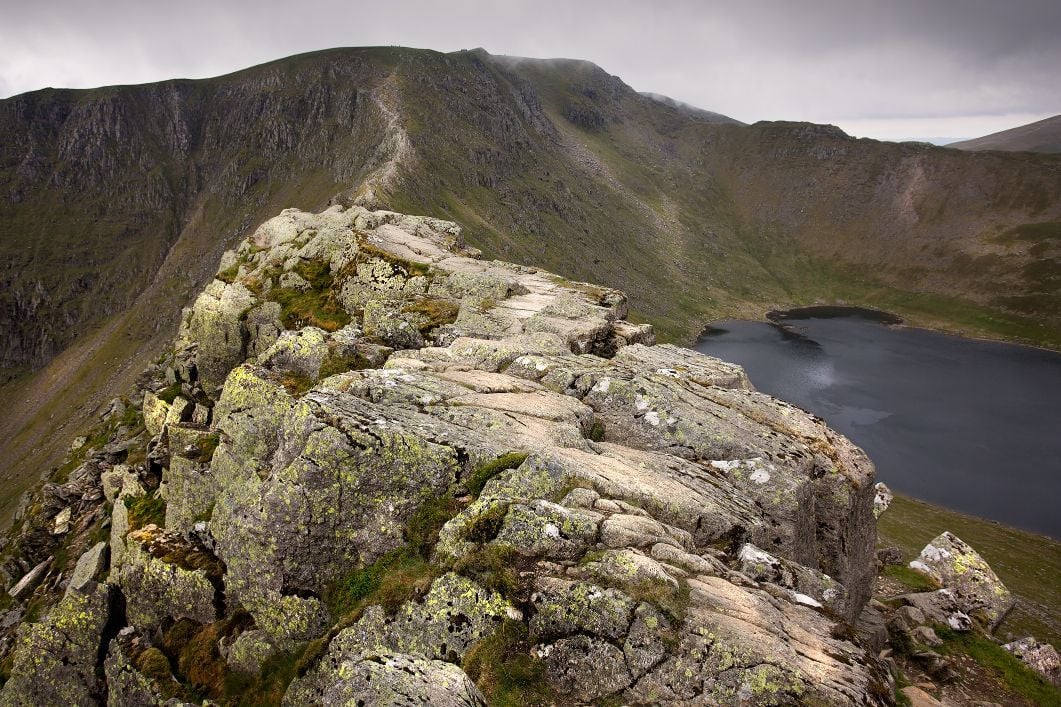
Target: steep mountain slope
<point x="1040" y="136"/>
<point x="112" y="201"/>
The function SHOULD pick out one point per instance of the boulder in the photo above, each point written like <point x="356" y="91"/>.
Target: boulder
<point x="1040" y="657"/>
<point x="976" y="588"/>
<point x="54" y="661"/>
<point x="25" y="586"/>
<point x="165" y="576"/>
<point x="384" y="678"/>
<point x="216" y="323"/>
<point x="882" y="499"/>
<point x="88" y="568"/>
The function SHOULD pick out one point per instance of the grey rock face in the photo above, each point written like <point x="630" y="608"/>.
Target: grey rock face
<point x="55" y="660"/>
<point x="975" y="586"/>
<point x="631" y="464"/>
<point x="386" y="678"/>
<point x="88" y="568"/>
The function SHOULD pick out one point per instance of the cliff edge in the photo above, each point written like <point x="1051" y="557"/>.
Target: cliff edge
<point x="376" y="469"/>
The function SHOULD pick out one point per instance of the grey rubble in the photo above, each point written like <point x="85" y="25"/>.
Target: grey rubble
<point x="646" y="469"/>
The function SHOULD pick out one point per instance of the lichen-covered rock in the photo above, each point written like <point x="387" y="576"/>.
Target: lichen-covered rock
<point x="545" y="528"/>
<point x="976" y="588"/>
<point x="1040" y="657"/>
<point x="216" y="323"/>
<point x="764" y="567"/>
<point x="249" y="650"/>
<point x="88" y="568"/>
<point x="603" y="482"/>
<point x="384" y="678"/>
<point x="119" y="529"/>
<point x="299" y="352"/>
<point x="882" y="499"/>
<point x="163" y="575"/>
<point x="455" y="614"/>
<point x="155" y="411"/>
<point x="55" y="660"/>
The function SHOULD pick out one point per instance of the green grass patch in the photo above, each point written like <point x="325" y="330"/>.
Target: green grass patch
<point x="502" y="666"/>
<point x="169" y="394"/>
<point x="309" y="308"/>
<point x="432" y="313"/>
<point x="395" y="578"/>
<point x="911" y="579"/>
<point x="145" y="510"/>
<point x="488" y="470"/>
<point x="495" y="567"/>
<point x="1017" y="676"/>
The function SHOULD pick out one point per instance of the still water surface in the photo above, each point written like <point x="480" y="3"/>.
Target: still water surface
<point x="971" y="425"/>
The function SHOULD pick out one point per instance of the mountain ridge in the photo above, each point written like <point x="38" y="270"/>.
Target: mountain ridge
<point x="114" y="202"/>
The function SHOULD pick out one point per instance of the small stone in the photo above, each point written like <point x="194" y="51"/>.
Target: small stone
<point x="62" y="521"/>
<point x="88" y="567"/>
<point x="926" y="635"/>
<point x="25" y="586"/>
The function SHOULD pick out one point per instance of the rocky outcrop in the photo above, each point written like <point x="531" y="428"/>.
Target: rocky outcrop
<point x="1040" y="657"/>
<point x="55" y="660"/>
<point x="407" y="466"/>
<point x="976" y="588"/>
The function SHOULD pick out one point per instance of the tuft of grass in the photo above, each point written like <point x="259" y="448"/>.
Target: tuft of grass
<point x="296" y="384"/>
<point x="1017" y="676"/>
<point x="432" y="312"/>
<point x="145" y="510"/>
<point x="503" y="667"/>
<point x="494" y="567"/>
<point x="484" y="472"/>
<point x="205" y="446"/>
<point x="395" y="578"/>
<point x="155" y="666"/>
<point x="596" y="433"/>
<point x="401" y="575"/>
<point x="309" y="308"/>
<point x="169" y="394"/>
<point x="421" y="532"/>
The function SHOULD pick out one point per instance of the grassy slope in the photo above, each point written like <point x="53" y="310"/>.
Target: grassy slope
<point x="1028" y="564"/>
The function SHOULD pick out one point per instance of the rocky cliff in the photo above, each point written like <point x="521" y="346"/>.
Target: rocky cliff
<point x="375" y="468"/>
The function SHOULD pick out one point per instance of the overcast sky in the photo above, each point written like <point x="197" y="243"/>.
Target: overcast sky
<point x="888" y="69"/>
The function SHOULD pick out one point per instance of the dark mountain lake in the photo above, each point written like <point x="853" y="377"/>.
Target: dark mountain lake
<point x="967" y="424"/>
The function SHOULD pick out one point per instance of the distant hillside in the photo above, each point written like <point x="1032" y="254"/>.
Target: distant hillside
<point x="1041" y="136"/>
<point x="116" y="204"/>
